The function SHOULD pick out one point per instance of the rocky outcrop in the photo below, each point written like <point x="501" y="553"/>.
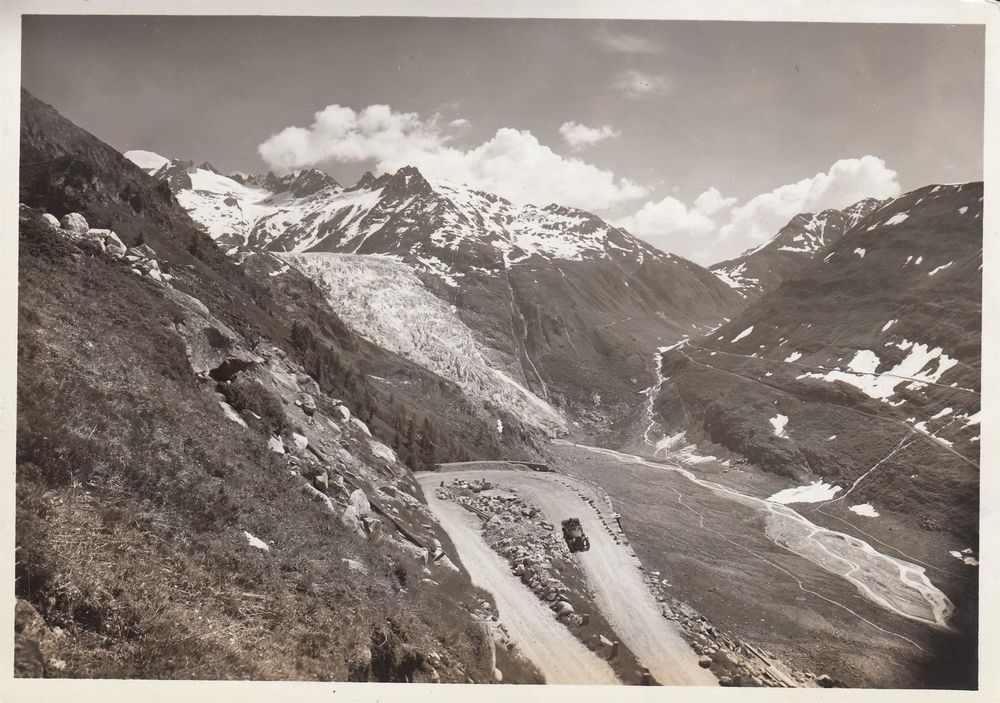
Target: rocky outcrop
<point x="74" y="223"/>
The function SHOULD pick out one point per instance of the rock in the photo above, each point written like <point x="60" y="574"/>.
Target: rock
<point x="371" y="524"/>
<point x="115" y="245"/>
<point x="301" y="442"/>
<point x="275" y="445"/>
<point x="825" y="681"/>
<point x="307" y="403"/>
<point x="725" y="681"/>
<point x="359" y="501"/>
<point x="361" y="426"/>
<point x="143" y="251"/>
<point x="322" y="481"/>
<point x="51" y="220"/>
<point x="319" y="497"/>
<point x="563" y="608"/>
<point x="256" y="543"/>
<point x="704" y="662"/>
<point x="350" y="519"/>
<point x="306" y="383"/>
<point x="497" y="675"/>
<point x="345" y="414"/>
<point x="74" y="223"/>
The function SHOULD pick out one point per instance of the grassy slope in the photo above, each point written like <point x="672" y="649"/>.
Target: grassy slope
<point x="133" y="492"/>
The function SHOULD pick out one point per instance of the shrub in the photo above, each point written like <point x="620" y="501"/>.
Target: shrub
<point x="250" y="398"/>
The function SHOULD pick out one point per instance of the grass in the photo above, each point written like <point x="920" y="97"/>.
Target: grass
<point x="133" y="492"/>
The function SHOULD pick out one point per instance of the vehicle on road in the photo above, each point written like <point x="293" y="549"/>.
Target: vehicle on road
<point x="572" y="531"/>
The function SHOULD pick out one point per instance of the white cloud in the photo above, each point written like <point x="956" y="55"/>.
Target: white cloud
<point x="712" y="229"/>
<point x="711" y="202"/>
<point x="513" y="163"/>
<point x="625" y="43"/>
<point x="639" y="84"/>
<point x="579" y="135"/>
<point x="460" y="123"/>
<point x="670" y="225"/>
<point x="846" y="182"/>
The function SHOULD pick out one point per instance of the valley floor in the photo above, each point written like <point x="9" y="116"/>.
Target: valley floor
<point x="717" y="556"/>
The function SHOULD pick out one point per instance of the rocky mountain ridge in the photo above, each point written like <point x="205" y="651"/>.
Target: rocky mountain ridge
<point x="804" y="237"/>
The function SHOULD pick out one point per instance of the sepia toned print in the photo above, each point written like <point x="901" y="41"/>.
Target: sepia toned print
<point x="499" y="351"/>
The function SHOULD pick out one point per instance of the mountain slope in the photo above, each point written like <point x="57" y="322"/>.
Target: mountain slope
<point x="565" y="305"/>
<point x="885" y="326"/>
<point x="852" y="390"/>
<point x="194" y="497"/>
<point x="792" y="248"/>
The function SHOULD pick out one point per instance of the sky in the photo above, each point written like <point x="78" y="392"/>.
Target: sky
<point x="702" y="138"/>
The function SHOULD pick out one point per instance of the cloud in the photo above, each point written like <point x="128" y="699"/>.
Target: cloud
<point x="639" y="84"/>
<point x="460" y="123"/>
<point x="671" y="225"/>
<point x="846" y="182"/>
<point x="624" y="43"/>
<point x="711" y="202"/>
<point x="714" y="229"/>
<point x="578" y="135"/>
<point x="513" y="163"/>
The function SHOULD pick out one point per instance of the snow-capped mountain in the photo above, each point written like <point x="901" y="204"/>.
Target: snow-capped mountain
<point x="861" y="372"/>
<point x="435" y="223"/>
<point x="798" y="242"/>
<point x="561" y="302"/>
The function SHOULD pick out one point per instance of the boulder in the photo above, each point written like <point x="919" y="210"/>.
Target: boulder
<point x="275" y="445"/>
<point x="704" y="662"/>
<point x="825" y="681"/>
<point x="322" y="481"/>
<point x="359" y="501"/>
<point x="307" y="403"/>
<point x="351" y="520"/>
<point x="74" y="223"/>
<point x="256" y="543"/>
<point x="143" y="251"/>
<point x="300" y="441"/>
<point x="306" y="383"/>
<point x="115" y="245"/>
<point x="372" y="524"/>
<point x="563" y="608"/>
<point x="51" y="220"/>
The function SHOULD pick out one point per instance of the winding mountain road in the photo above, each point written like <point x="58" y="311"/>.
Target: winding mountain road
<point x="611" y="568"/>
<point x="541" y="638"/>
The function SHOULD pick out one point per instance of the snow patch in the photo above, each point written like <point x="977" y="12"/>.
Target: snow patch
<point x="778" y="422"/>
<point x="815" y="492"/>
<point x="882" y="386"/>
<point x="965" y="556"/>
<point x="896" y="219"/>
<point x="742" y="334"/>
<point x="940" y="268"/>
<point x="794" y="356"/>
<point x="864" y="509"/>
<point x="860" y="251"/>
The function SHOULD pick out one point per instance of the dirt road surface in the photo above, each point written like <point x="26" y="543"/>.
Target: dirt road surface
<point x="560" y="657"/>
<point x="612" y="570"/>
